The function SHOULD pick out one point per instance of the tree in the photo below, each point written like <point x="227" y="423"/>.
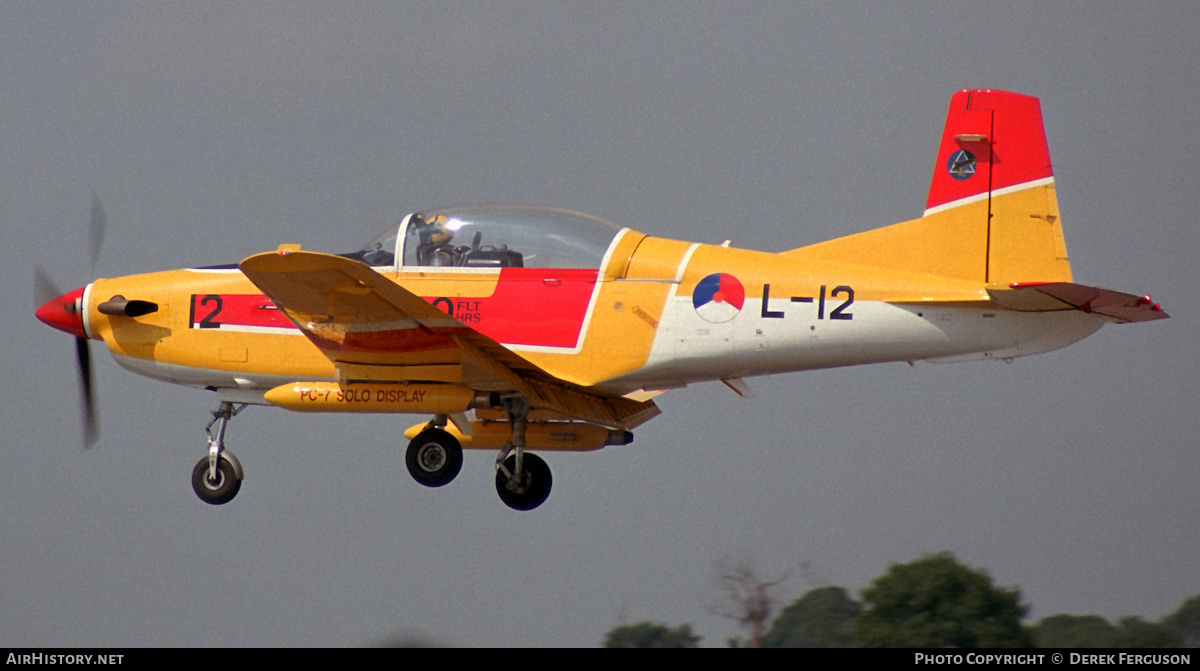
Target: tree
<point x="1074" y="631"/>
<point x="1093" y="631"/>
<point x="745" y="598"/>
<point x="936" y="602"/>
<point x="822" y="618"/>
<point x="1186" y="622"/>
<point x="1134" y="632"/>
<point x="651" y="635"/>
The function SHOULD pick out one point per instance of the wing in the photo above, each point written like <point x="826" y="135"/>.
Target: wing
<point x="373" y="329"/>
<point x="1048" y="296"/>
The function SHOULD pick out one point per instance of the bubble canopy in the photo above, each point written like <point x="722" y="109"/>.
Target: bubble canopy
<point x="506" y="236"/>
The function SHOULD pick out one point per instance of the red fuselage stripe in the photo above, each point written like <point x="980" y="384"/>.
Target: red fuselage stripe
<point x="530" y="306"/>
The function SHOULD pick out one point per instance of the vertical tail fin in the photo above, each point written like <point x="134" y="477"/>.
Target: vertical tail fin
<point x="994" y="150"/>
<point x="992" y="213"/>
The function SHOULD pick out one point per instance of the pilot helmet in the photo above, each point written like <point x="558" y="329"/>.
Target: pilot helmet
<point x="432" y="231"/>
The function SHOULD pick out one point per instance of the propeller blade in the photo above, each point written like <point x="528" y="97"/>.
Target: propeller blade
<point x="96" y="227"/>
<point x="91" y="429"/>
<point x="44" y="288"/>
<point x="45" y="291"/>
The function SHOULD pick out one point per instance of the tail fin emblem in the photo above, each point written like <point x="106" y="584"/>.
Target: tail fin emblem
<point x="961" y="164"/>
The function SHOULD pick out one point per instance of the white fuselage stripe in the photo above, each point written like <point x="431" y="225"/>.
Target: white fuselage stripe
<point x="272" y="330"/>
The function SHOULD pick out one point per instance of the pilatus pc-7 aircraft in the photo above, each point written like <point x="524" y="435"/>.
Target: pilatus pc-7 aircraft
<point x="521" y="329"/>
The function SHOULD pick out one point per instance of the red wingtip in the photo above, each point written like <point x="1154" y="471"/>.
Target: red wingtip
<point x="65" y="313"/>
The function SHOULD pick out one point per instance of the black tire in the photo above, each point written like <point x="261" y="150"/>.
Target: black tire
<point x="534" y="487"/>
<point x="223" y="490"/>
<point x="434" y="458"/>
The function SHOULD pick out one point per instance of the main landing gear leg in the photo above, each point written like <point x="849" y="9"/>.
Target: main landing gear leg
<point x="522" y="480"/>
<point x="217" y="478"/>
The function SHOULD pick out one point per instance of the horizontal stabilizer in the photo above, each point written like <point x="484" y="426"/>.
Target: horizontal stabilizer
<point x="1115" y="306"/>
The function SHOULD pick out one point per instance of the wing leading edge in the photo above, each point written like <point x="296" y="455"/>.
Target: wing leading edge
<point x="375" y="330"/>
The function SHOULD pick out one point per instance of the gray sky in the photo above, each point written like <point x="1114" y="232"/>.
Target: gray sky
<point x="213" y="131"/>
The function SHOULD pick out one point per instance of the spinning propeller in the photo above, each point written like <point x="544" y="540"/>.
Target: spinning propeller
<point x="65" y="312"/>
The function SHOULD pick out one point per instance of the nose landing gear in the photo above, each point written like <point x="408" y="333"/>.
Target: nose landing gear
<point x="217" y="478"/>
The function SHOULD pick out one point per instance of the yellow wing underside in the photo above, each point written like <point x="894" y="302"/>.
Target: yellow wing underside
<point x="375" y="330"/>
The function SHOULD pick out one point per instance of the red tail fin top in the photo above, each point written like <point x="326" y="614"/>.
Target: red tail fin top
<point x="993" y="140"/>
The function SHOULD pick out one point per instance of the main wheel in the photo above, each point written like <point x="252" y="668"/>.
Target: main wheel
<point x="218" y="491"/>
<point x="434" y="457"/>
<point x="533" y="488"/>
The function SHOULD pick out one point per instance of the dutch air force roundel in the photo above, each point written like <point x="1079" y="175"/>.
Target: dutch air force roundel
<point x="718" y="297"/>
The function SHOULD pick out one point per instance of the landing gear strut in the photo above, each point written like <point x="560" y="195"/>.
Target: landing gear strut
<point x="217" y="478"/>
<point x="522" y="480"/>
<point x="434" y="457"/>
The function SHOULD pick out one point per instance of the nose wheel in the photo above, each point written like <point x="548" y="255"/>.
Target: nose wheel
<point x="219" y="489"/>
<point x="217" y="478"/>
